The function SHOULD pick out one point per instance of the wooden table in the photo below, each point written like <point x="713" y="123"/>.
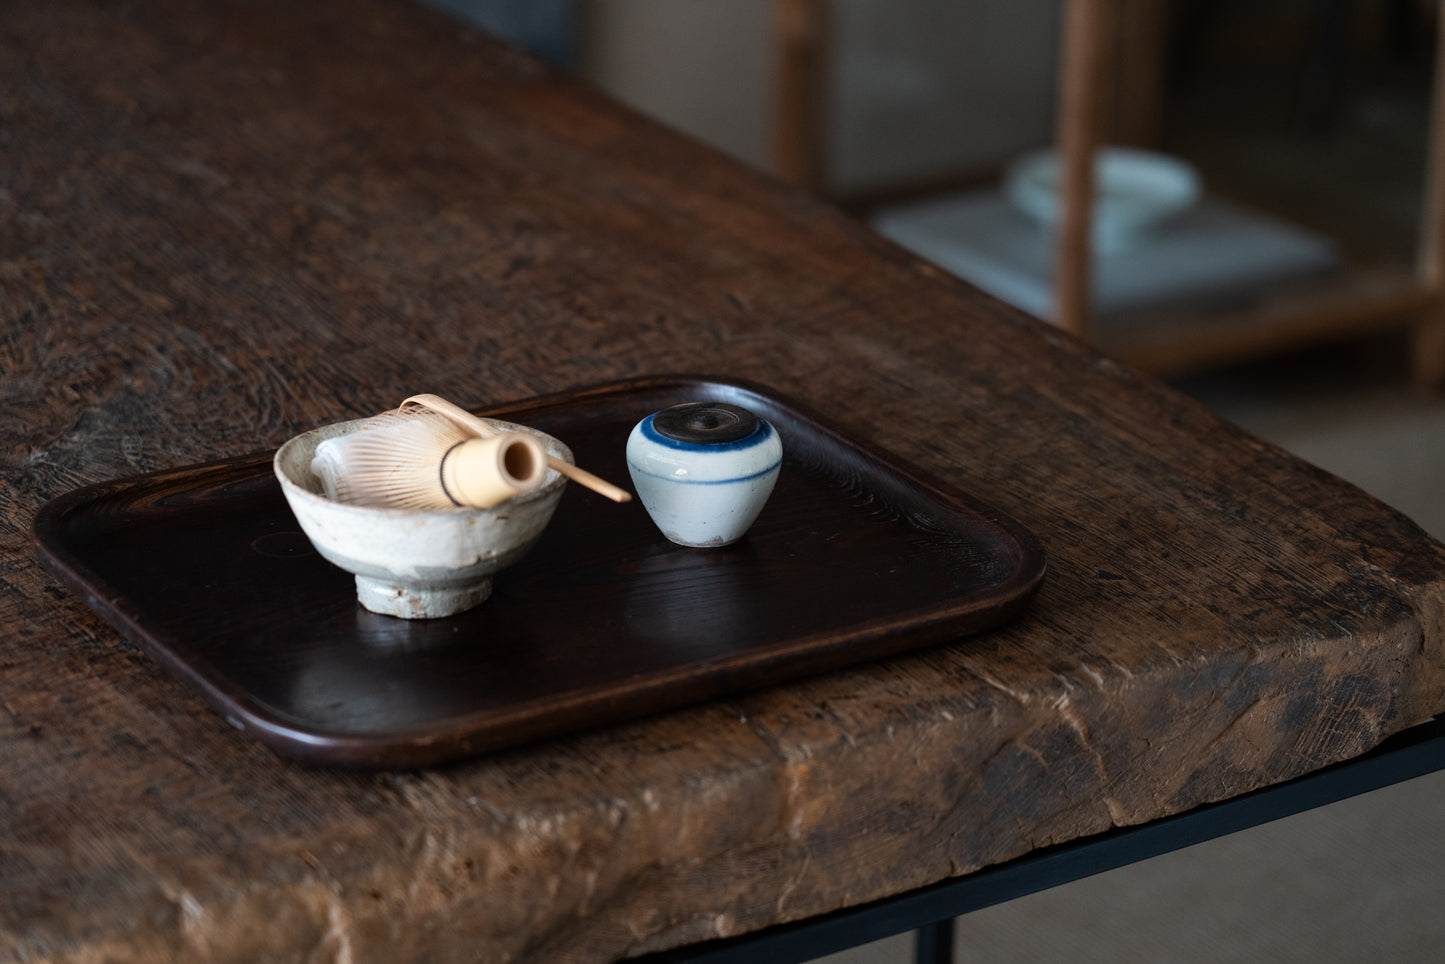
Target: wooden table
<point x="224" y="223"/>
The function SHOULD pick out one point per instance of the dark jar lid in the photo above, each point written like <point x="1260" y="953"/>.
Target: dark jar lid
<point x="705" y="423"/>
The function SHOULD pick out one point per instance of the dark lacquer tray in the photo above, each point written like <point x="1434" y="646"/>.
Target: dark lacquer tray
<point x="855" y="557"/>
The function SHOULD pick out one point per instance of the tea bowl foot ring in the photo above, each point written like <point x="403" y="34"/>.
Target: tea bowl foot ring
<point x="411" y="601"/>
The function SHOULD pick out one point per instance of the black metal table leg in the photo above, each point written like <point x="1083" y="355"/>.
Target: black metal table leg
<point x="933" y="943"/>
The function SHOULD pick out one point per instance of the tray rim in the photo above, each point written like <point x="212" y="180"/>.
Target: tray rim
<point x="296" y="739"/>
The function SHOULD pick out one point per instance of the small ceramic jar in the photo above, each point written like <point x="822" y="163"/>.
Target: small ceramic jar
<point x="703" y="470"/>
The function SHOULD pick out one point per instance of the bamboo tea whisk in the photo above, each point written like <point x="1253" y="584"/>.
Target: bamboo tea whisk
<point x="423" y="460"/>
<point x="466" y="420"/>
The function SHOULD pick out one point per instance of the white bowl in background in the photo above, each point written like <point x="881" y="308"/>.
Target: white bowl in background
<point x="1135" y="191"/>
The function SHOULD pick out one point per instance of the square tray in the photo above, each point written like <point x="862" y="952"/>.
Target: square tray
<point x="855" y="557"/>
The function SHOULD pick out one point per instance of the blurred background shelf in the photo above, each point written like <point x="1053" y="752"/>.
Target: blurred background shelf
<point x="1361" y="300"/>
<point x="1320" y="114"/>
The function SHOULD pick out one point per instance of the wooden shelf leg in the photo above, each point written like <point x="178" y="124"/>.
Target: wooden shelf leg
<point x="1427" y="352"/>
<point x="1083" y="89"/>
<point x="1427" y="349"/>
<point x="801" y="32"/>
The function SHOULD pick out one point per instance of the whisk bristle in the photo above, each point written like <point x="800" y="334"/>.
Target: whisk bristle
<point x="423" y="460"/>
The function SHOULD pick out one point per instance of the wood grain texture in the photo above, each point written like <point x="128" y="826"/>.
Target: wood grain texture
<point x="222" y="223"/>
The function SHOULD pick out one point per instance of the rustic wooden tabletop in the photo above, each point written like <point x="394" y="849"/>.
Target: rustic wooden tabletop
<point x="223" y="223"/>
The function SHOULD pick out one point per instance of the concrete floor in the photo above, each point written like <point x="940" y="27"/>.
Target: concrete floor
<point x="1361" y="880"/>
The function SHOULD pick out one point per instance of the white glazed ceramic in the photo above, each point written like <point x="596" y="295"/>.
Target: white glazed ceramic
<point x="703" y="494"/>
<point x="412" y="563"/>
<point x="1134" y="191"/>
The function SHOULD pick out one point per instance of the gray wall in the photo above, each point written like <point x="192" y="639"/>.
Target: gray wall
<point x="921" y="88"/>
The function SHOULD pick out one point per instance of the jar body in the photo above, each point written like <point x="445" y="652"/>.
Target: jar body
<point x="703" y="494"/>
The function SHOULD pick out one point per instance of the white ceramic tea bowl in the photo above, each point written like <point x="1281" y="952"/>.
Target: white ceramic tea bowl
<point x="1134" y="192"/>
<point x="704" y="470"/>
<point x="411" y="563"/>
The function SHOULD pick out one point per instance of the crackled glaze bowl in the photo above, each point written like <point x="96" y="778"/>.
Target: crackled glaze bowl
<point x="416" y="564"/>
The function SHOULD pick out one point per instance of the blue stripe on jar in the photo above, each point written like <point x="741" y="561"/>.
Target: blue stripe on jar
<point x="684" y="480"/>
